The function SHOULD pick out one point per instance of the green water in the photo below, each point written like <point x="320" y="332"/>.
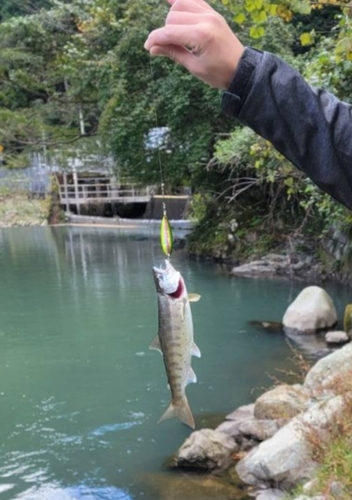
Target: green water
<point x="80" y="393"/>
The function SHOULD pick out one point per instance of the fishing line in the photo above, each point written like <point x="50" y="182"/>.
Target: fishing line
<point x="166" y="237"/>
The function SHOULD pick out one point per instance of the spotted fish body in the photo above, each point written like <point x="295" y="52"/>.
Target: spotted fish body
<point x="175" y="339"/>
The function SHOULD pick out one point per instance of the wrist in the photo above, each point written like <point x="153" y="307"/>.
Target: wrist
<point x="241" y="81"/>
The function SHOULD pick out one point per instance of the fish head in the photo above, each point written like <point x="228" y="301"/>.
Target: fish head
<point x="167" y="280"/>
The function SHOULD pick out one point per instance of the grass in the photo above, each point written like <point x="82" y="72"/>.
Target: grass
<point x="18" y="209"/>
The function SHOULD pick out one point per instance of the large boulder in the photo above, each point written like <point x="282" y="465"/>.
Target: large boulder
<point x="312" y="310"/>
<point x="282" y="402"/>
<point x="332" y="374"/>
<point x="286" y="458"/>
<point x="206" y="449"/>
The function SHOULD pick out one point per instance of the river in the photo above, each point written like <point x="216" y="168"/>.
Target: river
<point x="80" y="392"/>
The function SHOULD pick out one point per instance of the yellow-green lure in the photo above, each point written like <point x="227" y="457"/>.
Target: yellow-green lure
<point x="166" y="237"/>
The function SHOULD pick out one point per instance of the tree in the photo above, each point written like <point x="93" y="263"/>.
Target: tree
<point x="10" y="8"/>
<point x="37" y="101"/>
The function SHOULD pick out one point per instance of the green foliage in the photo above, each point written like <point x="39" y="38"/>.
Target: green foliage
<point x="146" y="94"/>
<point x="40" y="102"/>
<point x="10" y="8"/>
<point x="255" y="17"/>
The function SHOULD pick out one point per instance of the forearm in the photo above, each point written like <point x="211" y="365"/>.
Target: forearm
<point x="309" y="127"/>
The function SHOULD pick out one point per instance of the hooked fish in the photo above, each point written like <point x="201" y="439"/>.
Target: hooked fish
<point x="175" y="339"/>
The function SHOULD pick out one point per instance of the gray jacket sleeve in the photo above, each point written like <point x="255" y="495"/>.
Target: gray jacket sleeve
<point x="310" y="127"/>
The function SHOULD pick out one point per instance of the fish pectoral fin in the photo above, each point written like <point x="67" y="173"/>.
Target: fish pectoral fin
<point x="180" y="410"/>
<point x="155" y="344"/>
<point x="195" y="350"/>
<point x="193" y="297"/>
<point x="191" y="377"/>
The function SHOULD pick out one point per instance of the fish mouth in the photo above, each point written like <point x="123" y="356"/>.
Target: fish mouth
<point x="167" y="280"/>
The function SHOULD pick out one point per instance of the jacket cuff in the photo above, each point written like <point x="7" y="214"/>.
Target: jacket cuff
<point x="234" y="97"/>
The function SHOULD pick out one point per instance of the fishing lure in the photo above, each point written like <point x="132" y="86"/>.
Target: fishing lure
<point x="166" y="237"/>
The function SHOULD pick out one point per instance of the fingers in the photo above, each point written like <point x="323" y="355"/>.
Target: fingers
<point x="178" y="54"/>
<point x="177" y="35"/>
<point x="186" y="18"/>
<point x="195" y="6"/>
<point x="181" y="56"/>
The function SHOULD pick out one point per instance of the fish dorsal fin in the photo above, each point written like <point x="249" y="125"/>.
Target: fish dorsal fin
<point x="195" y="350"/>
<point x="191" y="377"/>
<point x="155" y="344"/>
<point x="193" y="297"/>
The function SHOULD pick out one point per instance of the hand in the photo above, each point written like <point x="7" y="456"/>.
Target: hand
<point x="199" y="38"/>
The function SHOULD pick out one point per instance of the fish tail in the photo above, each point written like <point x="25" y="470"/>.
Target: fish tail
<point x="181" y="410"/>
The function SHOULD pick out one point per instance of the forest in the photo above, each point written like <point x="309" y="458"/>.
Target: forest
<point x="75" y="78"/>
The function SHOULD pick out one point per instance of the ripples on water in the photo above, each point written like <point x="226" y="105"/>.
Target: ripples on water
<point x="80" y="393"/>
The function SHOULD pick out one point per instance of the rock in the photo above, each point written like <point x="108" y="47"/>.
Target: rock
<point x="330" y="374"/>
<point x="337" y="337"/>
<point x="257" y="268"/>
<point x="304" y="497"/>
<point x="271" y="494"/>
<point x="242" y="412"/>
<point x="286" y="458"/>
<point x="206" y="449"/>
<point x="250" y="429"/>
<point x="311" y="311"/>
<point x="282" y="402"/>
<point x="337" y="490"/>
<point x="313" y="347"/>
<point x="247" y="430"/>
<point x="310" y="486"/>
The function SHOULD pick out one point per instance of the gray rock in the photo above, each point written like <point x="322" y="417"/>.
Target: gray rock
<point x="206" y="449"/>
<point x="248" y="432"/>
<point x="271" y="494"/>
<point x="259" y="430"/>
<point x="310" y="486"/>
<point x="282" y="402"/>
<point x="312" y="310"/>
<point x="327" y="375"/>
<point x="246" y="411"/>
<point x="286" y="458"/>
<point x="304" y="497"/>
<point x="260" y="268"/>
<point x="337" y="490"/>
<point x="337" y="337"/>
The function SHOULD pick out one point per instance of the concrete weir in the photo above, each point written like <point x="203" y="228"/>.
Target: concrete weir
<point x="180" y="227"/>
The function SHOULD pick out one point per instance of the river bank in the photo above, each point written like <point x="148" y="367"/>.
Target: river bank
<point x="20" y="211"/>
<point x="299" y="259"/>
